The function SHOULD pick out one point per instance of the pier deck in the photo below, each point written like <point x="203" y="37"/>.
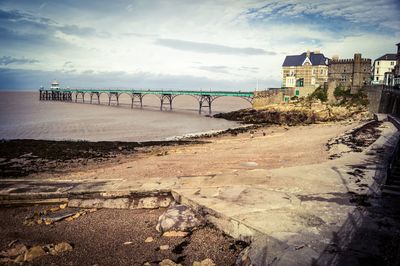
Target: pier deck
<point x="204" y="98"/>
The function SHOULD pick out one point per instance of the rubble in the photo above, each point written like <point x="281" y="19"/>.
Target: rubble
<point x="19" y="253"/>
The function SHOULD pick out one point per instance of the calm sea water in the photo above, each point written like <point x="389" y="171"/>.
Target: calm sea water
<point x="23" y="116"/>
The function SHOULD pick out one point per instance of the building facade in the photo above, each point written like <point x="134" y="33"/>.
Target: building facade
<point x="396" y="71"/>
<point x="305" y="72"/>
<point x="350" y="73"/>
<point x="382" y="67"/>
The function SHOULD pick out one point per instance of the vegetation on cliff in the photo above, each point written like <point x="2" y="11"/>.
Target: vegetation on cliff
<point x="317" y="107"/>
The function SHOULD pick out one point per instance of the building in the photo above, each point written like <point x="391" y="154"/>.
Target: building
<point x="305" y="72"/>
<point x="55" y="85"/>
<point x="396" y="71"/>
<point x="350" y="73"/>
<point x="383" y="66"/>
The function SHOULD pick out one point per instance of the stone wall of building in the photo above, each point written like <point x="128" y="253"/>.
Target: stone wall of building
<point x="272" y="96"/>
<point x="351" y="73"/>
<point x="312" y="75"/>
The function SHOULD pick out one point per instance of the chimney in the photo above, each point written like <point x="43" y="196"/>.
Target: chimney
<point x="317" y="51"/>
<point x="308" y="53"/>
<point x="335" y="57"/>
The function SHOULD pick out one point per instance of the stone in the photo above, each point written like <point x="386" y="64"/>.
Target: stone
<point x="178" y="218"/>
<point x="175" y="234"/>
<point x="14" y="251"/>
<point x="165" y="202"/>
<point x="168" y="262"/>
<point x="148" y="203"/>
<point x="58" y="216"/>
<point x="120" y="203"/>
<point x="149" y="239"/>
<point x="164" y="247"/>
<point x="62" y="247"/>
<point x="128" y="243"/>
<point x="256" y="253"/>
<point x="206" y="262"/>
<point x="19" y="259"/>
<point x="33" y="253"/>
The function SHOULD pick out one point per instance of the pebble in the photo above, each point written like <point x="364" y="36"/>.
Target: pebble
<point x="206" y="262"/>
<point x="149" y="239"/>
<point x="164" y="247"/>
<point x="168" y="262"/>
<point x="62" y="247"/>
<point x="175" y="234"/>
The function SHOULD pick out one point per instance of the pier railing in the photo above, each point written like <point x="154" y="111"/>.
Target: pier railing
<point x="204" y="98"/>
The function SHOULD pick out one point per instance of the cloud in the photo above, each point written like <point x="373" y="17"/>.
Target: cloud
<point x="201" y="47"/>
<point x="332" y="14"/>
<point x="229" y="70"/>
<point x="8" y="60"/>
<point x="14" y="79"/>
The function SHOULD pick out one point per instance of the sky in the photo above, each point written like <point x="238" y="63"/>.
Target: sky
<point x="182" y="44"/>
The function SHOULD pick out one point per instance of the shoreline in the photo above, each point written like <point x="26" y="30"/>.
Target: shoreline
<point x="36" y="158"/>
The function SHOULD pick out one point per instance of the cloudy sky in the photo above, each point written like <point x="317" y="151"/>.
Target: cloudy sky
<point x="182" y="44"/>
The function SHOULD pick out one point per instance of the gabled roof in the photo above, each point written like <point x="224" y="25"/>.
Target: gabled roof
<point x="389" y="57"/>
<point x="297" y="60"/>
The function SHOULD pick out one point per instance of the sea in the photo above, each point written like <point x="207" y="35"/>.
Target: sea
<point x="24" y="116"/>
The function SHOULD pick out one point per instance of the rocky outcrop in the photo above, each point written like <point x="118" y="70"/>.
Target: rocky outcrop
<point x="296" y="114"/>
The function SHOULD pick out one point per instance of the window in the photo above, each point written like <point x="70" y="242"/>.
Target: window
<point x="392" y="63"/>
<point x="322" y="71"/>
<point x="377" y="71"/>
<point x="377" y="78"/>
<point x="377" y="63"/>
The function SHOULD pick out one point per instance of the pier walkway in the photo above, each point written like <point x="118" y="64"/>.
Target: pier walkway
<point x="204" y="98"/>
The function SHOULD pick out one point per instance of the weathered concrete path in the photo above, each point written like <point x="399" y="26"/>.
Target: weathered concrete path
<point x="293" y="215"/>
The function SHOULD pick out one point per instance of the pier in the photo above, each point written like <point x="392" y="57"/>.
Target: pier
<point x="92" y="96"/>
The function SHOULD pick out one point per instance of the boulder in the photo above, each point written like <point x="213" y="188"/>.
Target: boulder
<point x="178" y="218"/>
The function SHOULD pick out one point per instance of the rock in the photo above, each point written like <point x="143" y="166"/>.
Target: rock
<point x="128" y="243"/>
<point x="33" y="253"/>
<point x="62" y="247"/>
<point x="168" y="262"/>
<point x="175" y="234"/>
<point x="178" y="218"/>
<point x="121" y="203"/>
<point x="148" y="203"/>
<point x="63" y="206"/>
<point x="164" y="247"/>
<point x="14" y="251"/>
<point x="58" y="216"/>
<point x="147" y="264"/>
<point x="19" y="259"/>
<point x="256" y="253"/>
<point x="206" y="262"/>
<point x="149" y="239"/>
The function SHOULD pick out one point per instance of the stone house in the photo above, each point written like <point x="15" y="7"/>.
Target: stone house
<point x="305" y="72"/>
<point x="350" y="73"/>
